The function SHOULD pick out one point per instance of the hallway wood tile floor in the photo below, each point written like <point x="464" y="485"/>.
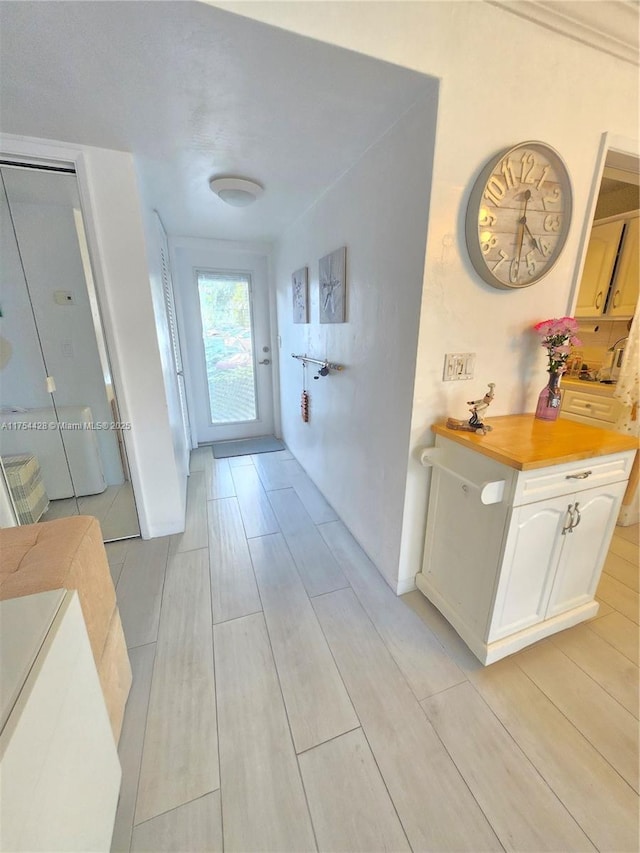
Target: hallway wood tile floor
<point x="284" y="699"/>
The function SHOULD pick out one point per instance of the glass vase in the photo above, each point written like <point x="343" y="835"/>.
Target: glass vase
<point x="548" y="407"/>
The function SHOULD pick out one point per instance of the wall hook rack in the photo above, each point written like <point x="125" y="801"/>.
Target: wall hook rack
<point x="325" y="365"/>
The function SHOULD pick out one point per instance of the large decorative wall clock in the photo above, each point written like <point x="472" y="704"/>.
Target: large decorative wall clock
<point x="518" y="215"/>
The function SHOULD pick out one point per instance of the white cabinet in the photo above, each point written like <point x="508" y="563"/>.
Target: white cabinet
<point x="509" y="573"/>
<point x="591" y="408"/>
<point x="554" y="554"/>
<point x="585" y="547"/>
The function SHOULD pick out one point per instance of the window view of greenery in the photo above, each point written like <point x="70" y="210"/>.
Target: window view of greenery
<point x="228" y="346"/>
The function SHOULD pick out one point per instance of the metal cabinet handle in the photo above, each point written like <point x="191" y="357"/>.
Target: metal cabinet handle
<point x="599" y="299"/>
<point x="582" y="476"/>
<point x="568" y="528"/>
<point x="265" y="361"/>
<point x="578" y="520"/>
<point x="615" y="299"/>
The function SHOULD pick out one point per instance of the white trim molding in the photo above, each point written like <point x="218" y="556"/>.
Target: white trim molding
<point x="610" y="26"/>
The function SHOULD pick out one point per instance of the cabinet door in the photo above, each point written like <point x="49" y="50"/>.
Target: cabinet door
<point x="625" y="288"/>
<point x="531" y="554"/>
<point x="598" y="268"/>
<point x="585" y="548"/>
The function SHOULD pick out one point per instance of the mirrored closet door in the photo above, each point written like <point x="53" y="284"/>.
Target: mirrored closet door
<point x="61" y="441"/>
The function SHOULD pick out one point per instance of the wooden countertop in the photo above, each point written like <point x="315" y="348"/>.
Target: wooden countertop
<point x="524" y="442"/>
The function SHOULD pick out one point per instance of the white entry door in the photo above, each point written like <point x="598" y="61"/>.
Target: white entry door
<point x="234" y="394"/>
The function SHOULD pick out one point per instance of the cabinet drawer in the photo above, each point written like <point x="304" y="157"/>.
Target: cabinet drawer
<point x="590" y="406"/>
<point x="543" y="483"/>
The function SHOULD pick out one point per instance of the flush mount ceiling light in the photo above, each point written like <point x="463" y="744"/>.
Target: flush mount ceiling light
<point x="238" y="192"/>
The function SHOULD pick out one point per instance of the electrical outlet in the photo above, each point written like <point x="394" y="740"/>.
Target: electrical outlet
<point x="458" y="365"/>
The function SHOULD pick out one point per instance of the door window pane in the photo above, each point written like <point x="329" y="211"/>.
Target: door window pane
<point x="227" y="336"/>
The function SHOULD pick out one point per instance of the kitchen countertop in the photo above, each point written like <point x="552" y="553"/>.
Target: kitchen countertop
<point x="525" y="442"/>
<point x="603" y="389"/>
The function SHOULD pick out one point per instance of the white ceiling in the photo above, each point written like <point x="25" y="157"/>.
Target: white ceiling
<point x="194" y="91"/>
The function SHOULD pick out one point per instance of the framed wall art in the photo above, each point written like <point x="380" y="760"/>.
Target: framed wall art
<point x="332" y="287"/>
<point x="300" y="295"/>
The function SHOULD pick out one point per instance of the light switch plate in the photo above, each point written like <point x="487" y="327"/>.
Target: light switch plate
<point x="458" y="365"/>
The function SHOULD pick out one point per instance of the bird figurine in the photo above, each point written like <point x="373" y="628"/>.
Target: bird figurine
<point x="477" y="408"/>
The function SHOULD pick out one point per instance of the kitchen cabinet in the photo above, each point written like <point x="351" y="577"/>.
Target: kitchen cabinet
<point x="519" y="525"/>
<point x="609" y="283"/>
<point x="590" y="404"/>
<point x="598" y="268"/>
<point x="624" y="293"/>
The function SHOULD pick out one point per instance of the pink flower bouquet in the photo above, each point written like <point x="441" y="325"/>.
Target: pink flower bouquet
<point x="557" y="337"/>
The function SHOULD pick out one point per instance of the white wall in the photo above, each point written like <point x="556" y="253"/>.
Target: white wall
<point x="355" y="444"/>
<point x="503" y="80"/>
<point x="119" y="229"/>
<point x="115" y="233"/>
<point x="169" y="376"/>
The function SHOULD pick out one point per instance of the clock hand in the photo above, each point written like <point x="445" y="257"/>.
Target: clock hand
<point x="523" y="225"/>
<point x="533" y="239"/>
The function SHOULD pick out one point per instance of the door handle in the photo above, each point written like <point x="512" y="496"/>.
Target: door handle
<point x="568" y="528"/>
<point x="579" y="518"/>
<point x="265" y="361"/>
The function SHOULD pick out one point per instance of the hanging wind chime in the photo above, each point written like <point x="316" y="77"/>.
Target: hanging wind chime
<point x="304" y="397"/>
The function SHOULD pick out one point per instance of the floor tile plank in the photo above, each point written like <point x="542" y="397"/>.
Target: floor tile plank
<point x="313" y="500"/>
<point x="219" y="480"/>
<point x="139" y="590"/>
<point x="121" y="519"/>
<point x="624" y="547"/>
<point x="603" y="609"/>
<point x="199" y="458"/>
<point x="130" y="745"/>
<point x="422" y="659"/>
<point x="605" y="665"/>
<point x="317" y="703"/>
<point x="233" y="585"/>
<point x="239" y="461"/>
<point x="350" y="806"/>
<point x="195" y="827"/>
<point x="619" y="632"/>
<point x="431" y="798"/>
<point x="117" y="551"/>
<point x="454" y="646"/>
<point x="195" y="530"/>
<point x="522" y="809"/>
<point x="180" y="756"/>
<point x="622" y="570"/>
<point x="611" y="729"/>
<point x="620" y="597"/>
<point x="599" y="799"/>
<point x="276" y="473"/>
<point x="257" y="515"/>
<point x="318" y="568"/>
<point x="631" y="533"/>
<point x="263" y="803"/>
